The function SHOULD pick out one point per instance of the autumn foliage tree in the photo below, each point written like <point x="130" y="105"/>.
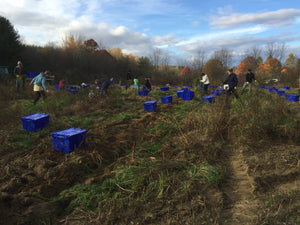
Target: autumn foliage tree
<point x="185" y="71"/>
<point x="91" y="44"/>
<point x="214" y="69"/>
<point x="272" y="68"/>
<point x="248" y="63"/>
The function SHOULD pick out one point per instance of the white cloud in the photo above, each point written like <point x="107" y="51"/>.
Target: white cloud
<point x="277" y="18"/>
<point x="222" y="34"/>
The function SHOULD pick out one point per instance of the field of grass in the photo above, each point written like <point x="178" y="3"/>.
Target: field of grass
<point x="236" y="161"/>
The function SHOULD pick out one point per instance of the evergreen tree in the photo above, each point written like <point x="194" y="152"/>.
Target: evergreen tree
<point x="10" y="44"/>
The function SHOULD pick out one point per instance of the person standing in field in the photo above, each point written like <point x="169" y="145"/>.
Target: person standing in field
<point x="61" y="84"/>
<point x="39" y="85"/>
<point x="249" y="79"/>
<point x="105" y="84"/>
<point x="136" y="83"/>
<point x="20" y="79"/>
<point x="205" y="81"/>
<point x="147" y="85"/>
<point x="231" y="82"/>
<point x="128" y="79"/>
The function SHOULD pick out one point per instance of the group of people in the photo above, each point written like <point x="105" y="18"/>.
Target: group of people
<point x="147" y="85"/>
<point x="231" y="82"/>
<point x="40" y="87"/>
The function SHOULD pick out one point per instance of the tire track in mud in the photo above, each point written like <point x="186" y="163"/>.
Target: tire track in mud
<point x="240" y="203"/>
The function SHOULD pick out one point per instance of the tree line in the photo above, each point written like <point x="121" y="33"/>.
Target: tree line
<point x="79" y="60"/>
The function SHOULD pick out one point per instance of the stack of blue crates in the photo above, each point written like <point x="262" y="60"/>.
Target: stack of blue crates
<point x="68" y="140"/>
<point x="150" y="106"/>
<point x="35" y="122"/>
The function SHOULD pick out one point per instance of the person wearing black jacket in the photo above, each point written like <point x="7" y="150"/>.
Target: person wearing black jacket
<point x="249" y="79"/>
<point x="128" y="79"/>
<point x="232" y="82"/>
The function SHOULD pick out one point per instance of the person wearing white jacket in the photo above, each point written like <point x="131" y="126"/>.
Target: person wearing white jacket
<point x="205" y="81"/>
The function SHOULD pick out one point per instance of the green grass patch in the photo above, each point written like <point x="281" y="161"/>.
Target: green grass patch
<point x="125" y="117"/>
<point x="143" y="181"/>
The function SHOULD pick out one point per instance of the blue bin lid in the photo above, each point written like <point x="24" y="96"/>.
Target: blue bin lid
<point x="69" y="132"/>
<point x="204" y="97"/>
<point x="35" y="116"/>
<point x="150" y="102"/>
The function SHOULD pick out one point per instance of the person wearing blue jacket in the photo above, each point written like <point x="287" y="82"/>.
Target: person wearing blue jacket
<point x="105" y="84"/>
<point x="39" y="85"/>
<point x="232" y="82"/>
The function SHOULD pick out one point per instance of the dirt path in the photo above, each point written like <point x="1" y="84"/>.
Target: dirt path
<point x="240" y="203"/>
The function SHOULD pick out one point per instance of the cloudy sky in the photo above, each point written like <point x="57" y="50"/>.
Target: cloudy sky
<point x="180" y="28"/>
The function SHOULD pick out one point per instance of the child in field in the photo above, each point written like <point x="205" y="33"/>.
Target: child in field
<point x="136" y="83"/>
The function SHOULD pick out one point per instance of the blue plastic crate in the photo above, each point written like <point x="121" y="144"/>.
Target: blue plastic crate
<point x="164" y="88"/>
<point x="72" y="89"/>
<point x="219" y="92"/>
<point x="180" y="93"/>
<point x="210" y="99"/>
<point x="293" y="98"/>
<point x="68" y="140"/>
<point x="212" y="86"/>
<point x="285" y="87"/>
<point x="272" y="89"/>
<point x="281" y="93"/>
<point x="185" y="89"/>
<point x="190" y="86"/>
<point x="31" y="74"/>
<point x="35" y="122"/>
<point x="150" y="106"/>
<point x="166" y="99"/>
<point x="201" y="86"/>
<point x="188" y="95"/>
<point x="264" y="87"/>
<point x="56" y="86"/>
<point x="85" y="86"/>
<point x="143" y="93"/>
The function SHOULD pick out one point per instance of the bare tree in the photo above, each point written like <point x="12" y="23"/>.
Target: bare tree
<point x="165" y="59"/>
<point x="199" y="61"/>
<point x="255" y="51"/>
<point x="275" y="50"/>
<point x="224" y="56"/>
<point x="101" y="45"/>
<point x="156" y="58"/>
